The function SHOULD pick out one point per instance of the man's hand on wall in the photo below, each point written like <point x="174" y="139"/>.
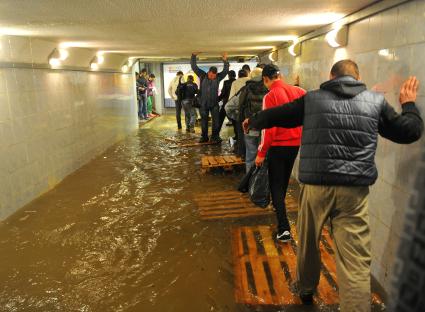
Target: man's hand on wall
<point x="409" y="90"/>
<point x="224" y="55"/>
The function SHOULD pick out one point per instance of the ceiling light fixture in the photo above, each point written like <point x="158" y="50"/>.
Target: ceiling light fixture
<point x="273" y="56"/>
<point x="124" y="68"/>
<point x="63" y="54"/>
<point x="94" y="66"/>
<point x="100" y="58"/>
<point x="54" y="58"/>
<point x="337" y="37"/>
<point x="295" y="48"/>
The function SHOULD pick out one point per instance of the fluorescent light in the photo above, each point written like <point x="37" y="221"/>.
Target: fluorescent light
<point x="337" y="37"/>
<point x="100" y="58"/>
<point x="94" y="66"/>
<point x="273" y="56"/>
<point x="331" y="38"/>
<point x="384" y="52"/>
<point x="124" y="69"/>
<point x="295" y="48"/>
<point x="63" y="54"/>
<point x="54" y="62"/>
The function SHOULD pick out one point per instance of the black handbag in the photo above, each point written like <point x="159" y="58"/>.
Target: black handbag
<point x="244" y="184"/>
<point x="259" y="188"/>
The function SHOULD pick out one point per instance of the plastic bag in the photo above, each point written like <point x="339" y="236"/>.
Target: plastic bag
<point x="259" y="189"/>
<point x="244" y="184"/>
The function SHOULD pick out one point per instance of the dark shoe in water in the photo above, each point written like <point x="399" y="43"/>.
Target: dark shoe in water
<point x="216" y="140"/>
<point x="203" y="140"/>
<point x="284" y="236"/>
<point x="306" y="299"/>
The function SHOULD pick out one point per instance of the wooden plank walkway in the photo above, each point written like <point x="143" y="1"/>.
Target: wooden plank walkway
<point x="232" y="204"/>
<point x="265" y="269"/>
<point x="227" y="162"/>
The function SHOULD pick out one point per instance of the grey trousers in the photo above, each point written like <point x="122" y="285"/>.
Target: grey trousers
<point x="347" y="210"/>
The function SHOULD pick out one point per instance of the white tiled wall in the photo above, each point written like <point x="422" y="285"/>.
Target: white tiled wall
<point x="401" y="30"/>
<point x="52" y="122"/>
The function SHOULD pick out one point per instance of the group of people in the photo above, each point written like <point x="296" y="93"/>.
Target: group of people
<point x="145" y="85"/>
<point x="335" y="129"/>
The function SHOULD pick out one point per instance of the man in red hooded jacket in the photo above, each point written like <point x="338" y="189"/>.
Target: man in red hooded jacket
<point x="281" y="146"/>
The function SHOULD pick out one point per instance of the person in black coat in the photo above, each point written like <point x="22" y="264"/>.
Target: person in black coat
<point x="341" y="122"/>
<point x="224" y="96"/>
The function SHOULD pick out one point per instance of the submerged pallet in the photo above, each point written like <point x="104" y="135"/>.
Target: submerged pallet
<point x="224" y="161"/>
<point x="188" y="142"/>
<point x="265" y="270"/>
<point x="232" y="204"/>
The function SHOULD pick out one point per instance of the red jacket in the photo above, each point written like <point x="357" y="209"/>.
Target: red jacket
<point x="280" y="93"/>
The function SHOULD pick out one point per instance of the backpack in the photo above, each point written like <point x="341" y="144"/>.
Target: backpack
<point x="253" y="99"/>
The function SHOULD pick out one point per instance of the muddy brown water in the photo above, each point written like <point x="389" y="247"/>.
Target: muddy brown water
<point x="123" y="234"/>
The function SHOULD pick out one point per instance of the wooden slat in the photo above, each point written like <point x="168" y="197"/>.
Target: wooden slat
<point x="205" y="162"/>
<point x="283" y="293"/>
<point x="212" y="161"/>
<point x="326" y="293"/>
<point x="220" y="160"/>
<point x="228" y="159"/>
<point x="241" y="281"/>
<point x="260" y="277"/>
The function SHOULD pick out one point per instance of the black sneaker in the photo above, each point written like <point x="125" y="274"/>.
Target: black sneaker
<point x="216" y="140"/>
<point x="203" y="140"/>
<point x="306" y="299"/>
<point x="284" y="236"/>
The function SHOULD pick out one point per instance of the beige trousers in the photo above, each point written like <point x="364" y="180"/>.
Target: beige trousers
<point x="347" y="210"/>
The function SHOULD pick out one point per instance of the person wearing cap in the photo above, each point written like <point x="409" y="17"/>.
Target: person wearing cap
<point x="172" y="88"/>
<point x="209" y="86"/>
<point x="341" y="122"/>
<point x="280" y="145"/>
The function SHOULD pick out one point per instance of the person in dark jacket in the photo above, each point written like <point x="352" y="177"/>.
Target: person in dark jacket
<point x="341" y="122"/>
<point x="251" y="102"/>
<point x="142" y="88"/>
<point x="224" y="96"/>
<point x="187" y="92"/>
<point x="209" y="97"/>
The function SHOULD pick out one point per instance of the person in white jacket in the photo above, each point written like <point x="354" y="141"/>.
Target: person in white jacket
<point x="172" y="87"/>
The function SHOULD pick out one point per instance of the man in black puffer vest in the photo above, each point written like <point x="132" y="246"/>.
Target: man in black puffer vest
<point x="341" y="122"/>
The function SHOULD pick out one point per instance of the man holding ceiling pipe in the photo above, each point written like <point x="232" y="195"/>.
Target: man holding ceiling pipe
<point x="209" y="97"/>
<point x="341" y="122"/>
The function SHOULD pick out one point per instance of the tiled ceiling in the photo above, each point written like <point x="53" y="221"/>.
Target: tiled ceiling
<point x="171" y="28"/>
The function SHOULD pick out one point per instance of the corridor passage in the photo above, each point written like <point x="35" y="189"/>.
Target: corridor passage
<point x="123" y="234"/>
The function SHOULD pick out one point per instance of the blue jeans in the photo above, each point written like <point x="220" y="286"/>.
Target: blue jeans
<point x="143" y="107"/>
<point x="251" y="147"/>
<point x="205" y="111"/>
<point x="189" y="113"/>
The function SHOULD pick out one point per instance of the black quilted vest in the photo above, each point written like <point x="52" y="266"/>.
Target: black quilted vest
<point x="340" y="134"/>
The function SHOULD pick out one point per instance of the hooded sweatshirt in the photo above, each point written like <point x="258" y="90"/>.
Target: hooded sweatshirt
<point x="280" y="93"/>
<point x="341" y="122"/>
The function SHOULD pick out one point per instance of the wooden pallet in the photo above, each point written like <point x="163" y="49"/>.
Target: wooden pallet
<point x="233" y="204"/>
<point x="227" y="162"/>
<point x="265" y="269"/>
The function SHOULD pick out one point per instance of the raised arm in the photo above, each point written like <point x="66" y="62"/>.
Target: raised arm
<point x="408" y="126"/>
<point x="225" y="70"/>
<point x="290" y="115"/>
<point x="199" y="72"/>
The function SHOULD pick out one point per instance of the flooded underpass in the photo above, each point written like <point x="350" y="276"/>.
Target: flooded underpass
<point x="123" y="233"/>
